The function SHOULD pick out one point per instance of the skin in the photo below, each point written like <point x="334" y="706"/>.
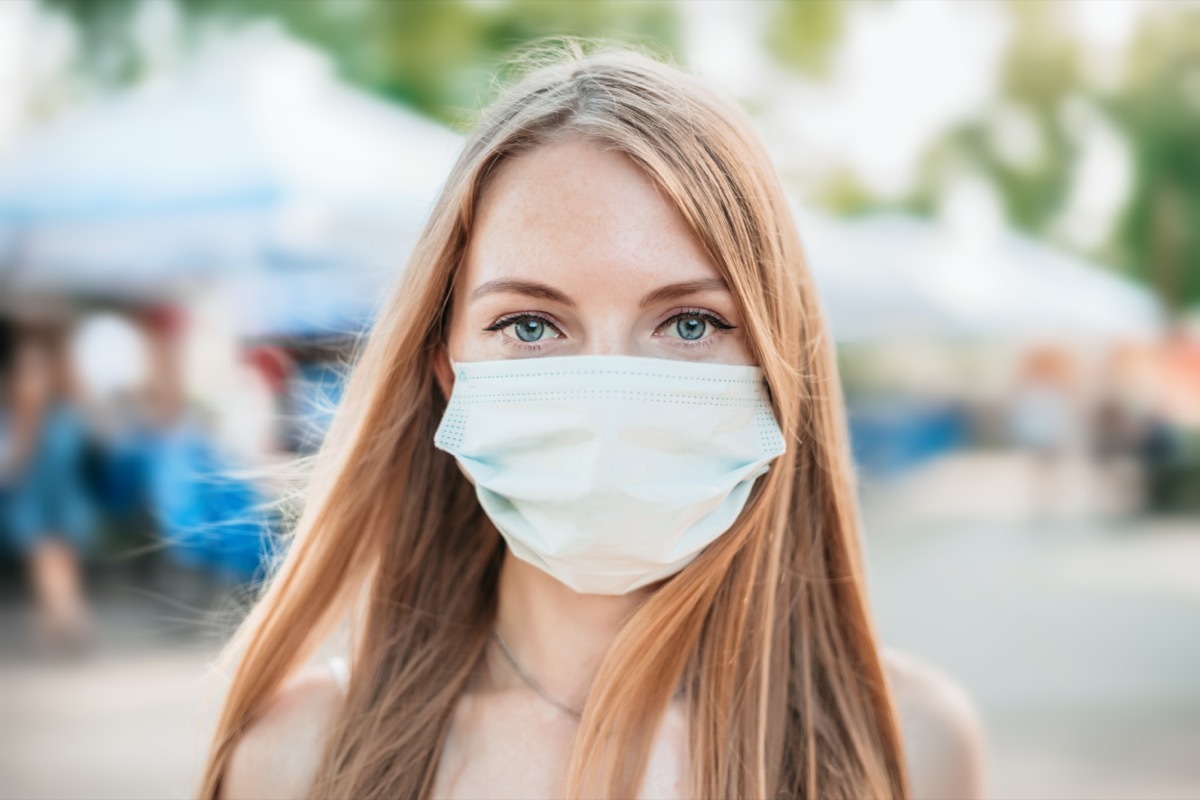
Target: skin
<point x="590" y="225"/>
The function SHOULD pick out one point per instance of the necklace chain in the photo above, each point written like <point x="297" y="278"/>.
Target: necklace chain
<point x="531" y="683"/>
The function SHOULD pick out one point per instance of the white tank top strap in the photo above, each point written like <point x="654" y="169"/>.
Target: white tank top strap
<point x="341" y="670"/>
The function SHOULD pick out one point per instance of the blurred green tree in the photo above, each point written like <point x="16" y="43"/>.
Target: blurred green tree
<point x="1156" y="107"/>
<point x="803" y="34"/>
<point x="1041" y="68"/>
<point x="1159" y="108"/>
<point x="434" y="55"/>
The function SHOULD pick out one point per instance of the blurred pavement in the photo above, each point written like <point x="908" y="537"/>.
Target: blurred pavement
<point x="1078" y="636"/>
<point x="123" y="721"/>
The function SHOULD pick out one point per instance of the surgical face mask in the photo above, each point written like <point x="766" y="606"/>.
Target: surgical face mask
<point x="610" y="472"/>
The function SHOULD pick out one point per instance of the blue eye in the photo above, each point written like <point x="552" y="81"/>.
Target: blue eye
<point x="691" y="327"/>
<point x="694" y="325"/>
<point x="530" y="330"/>
<point x="528" y="327"/>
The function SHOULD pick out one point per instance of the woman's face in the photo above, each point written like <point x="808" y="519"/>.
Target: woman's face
<point x="575" y="252"/>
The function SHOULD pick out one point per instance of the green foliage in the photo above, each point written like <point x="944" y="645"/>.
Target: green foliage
<point x="1159" y="108"/>
<point x="1037" y="74"/>
<point x="108" y="44"/>
<point x="433" y="55"/>
<point x="804" y="33"/>
<point x="844" y="193"/>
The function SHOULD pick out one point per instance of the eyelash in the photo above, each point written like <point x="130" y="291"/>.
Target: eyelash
<point x="719" y="324"/>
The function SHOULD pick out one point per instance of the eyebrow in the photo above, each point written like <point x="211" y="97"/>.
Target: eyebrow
<point x="544" y="292"/>
<point x="528" y="288"/>
<point x="674" y="290"/>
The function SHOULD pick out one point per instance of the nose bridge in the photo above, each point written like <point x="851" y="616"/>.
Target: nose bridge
<point x="609" y="348"/>
<point x="610" y="330"/>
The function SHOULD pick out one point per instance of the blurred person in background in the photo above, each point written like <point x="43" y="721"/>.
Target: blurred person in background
<point x="212" y="518"/>
<point x="1123" y="426"/>
<point x="1170" y="442"/>
<point x="50" y="516"/>
<point x="612" y="280"/>
<point x="1041" y="422"/>
<point x="7" y="432"/>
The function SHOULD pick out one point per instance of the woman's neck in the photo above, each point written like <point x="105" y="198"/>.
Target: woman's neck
<point x="558" y="636"/>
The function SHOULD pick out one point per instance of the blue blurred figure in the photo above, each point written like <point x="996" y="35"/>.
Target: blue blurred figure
<point x="210" y="520"/>
<point x="48" y="513"/>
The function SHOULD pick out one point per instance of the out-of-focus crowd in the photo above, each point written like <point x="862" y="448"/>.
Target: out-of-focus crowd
<point x="1129" y="410"/>
<point x="103" y="452"/>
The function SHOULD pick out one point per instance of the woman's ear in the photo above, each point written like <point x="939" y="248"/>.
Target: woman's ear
<point x="442" y="372"/>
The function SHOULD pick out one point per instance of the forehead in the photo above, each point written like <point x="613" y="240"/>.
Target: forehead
<point x="575" y="212"/>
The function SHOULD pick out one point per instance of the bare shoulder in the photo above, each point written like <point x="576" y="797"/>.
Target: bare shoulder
<point x="277" y="755"/>
<point x="943" y="732"/>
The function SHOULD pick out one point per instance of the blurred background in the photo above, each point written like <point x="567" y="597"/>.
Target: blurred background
<point x="201" y="202"/>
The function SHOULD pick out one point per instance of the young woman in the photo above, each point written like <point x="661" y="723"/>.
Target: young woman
<point x="586" y="507"/>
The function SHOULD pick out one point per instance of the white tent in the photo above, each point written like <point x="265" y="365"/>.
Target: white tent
<point x="889" y="275"/>
<point x="257" y="160"/>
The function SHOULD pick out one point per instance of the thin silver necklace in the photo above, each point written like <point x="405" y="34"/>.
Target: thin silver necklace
<point x="531" y="683"/>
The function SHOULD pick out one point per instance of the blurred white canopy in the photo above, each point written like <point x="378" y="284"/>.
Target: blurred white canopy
<point x="254" y="160"/>
<point x="889" y="275"/>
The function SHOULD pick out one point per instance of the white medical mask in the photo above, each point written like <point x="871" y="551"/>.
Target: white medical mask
<point x="610" y="472"/>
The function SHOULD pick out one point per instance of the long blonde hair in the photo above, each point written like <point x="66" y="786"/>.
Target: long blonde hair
<point x="768" y="630"/>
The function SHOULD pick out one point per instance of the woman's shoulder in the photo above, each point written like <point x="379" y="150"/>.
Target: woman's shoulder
<point x="276" y="756"/>
<point x="943" y="732"/>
